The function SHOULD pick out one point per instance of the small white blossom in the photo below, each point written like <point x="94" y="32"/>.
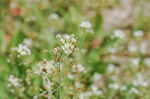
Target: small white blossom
<point x="45" y="68"/>
<point x="147" y="62"/>
<point x="132" y="46"/>
<point x="70" y="76"/>
<point x="85" y="24"/>
<point x="96" y="77"/>
<point x="123" y="87"/>
<point x="27" y="42"/>
<point x="68" y="42"/>
<point x="119" y="33"/>
<point x="22" y="50"/>
<point x="53" y="16"/>
<point x="138" y="33"/>
<point x="14" y="81"/>
<point x="115" y="86"/>
<point x="135" y="61"/>
<point x="134" y="91"/>
<point x="110" y="68"/>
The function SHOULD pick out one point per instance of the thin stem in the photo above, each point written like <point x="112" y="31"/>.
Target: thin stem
<point x="60" y="75"/>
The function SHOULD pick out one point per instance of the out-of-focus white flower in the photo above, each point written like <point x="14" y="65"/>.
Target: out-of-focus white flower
<point x="119" y="33"/>
<point x="14" y="81"/>
<point x="47" y="83"/>
<point x="85" y="24"/>
<point x="143" y="47"/>
<point x="81" y="68"/>
<point x="140" y="81"/>
<point x="68" y="42"/>
<point x="135" y="61"/>
<point x="95" y="90"/>
<point x="45" y="68"/>
<point x="77" y="84"/>
<point x="96" y="77"/>
<point x="53" y="16"/>
<point x="132" y="46"/>
<point x="123" y="87"/>
<point x="90" y="31"/>
<point x="70" y="76"/>
<point x="110" y="68"/>
<point x="22" y="50"/>
<point x="134" y="91"/>
<point x="138" y="33"/>
<point x="115" y="86"/>
<point x="27" y="42"/>
<point x="147" y="62"/>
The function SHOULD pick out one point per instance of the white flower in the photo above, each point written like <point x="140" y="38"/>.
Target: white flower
<point x="110" y="68"/>
<point x="22" y="50"/>
<point x="77" y="84"/>
<point x="81" y="68"/>
<point x="95" y="90"/>
<point x="123" y="87"/>
<point x="45" y="68"/>
<point x="138" y="33"/>
<point x="115" y="86"/>
<point x="135" y="61"/>
<point x="143" y="47"/>
<point x="119" y="33"/>
<point x="27" y="42"/>
<point x="147" y="62"/>
<point x="96" y="77"/>
<point x="14" y="81"/>
<point x="68" y="42"/>
<point x="85" y="24"/>
<point x="70" y="76"/>
<point x="134" y="90"/>
<point x="132" y="46"/>
<point x="53" y="16"/>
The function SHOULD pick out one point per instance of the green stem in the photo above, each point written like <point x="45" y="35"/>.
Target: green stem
<point x="60" y="75"/>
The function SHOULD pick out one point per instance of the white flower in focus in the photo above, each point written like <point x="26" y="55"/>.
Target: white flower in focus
<point x="22" y="50"/>
<point x="14" y="81"/>
<point x="85" y="24"/>
<point x="138" y="33"/>
<point x="45" y="68"/>
<point x="119" y="33"/>
<point x="27" y="42"/>
<point x="68" y="42"/>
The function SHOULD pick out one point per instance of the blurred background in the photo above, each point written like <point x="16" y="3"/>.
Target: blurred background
<point x="113" y="43"/>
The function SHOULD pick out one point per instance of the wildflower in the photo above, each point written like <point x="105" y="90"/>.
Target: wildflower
<point x="45" y="68"/>
<point x="110" y="68"/>
<point x="138" y="33"/>
<point x="96" y="77"/>
<point x="14" y="81"/>
<point x="143" y="47"/>
<point x="123" y="87"/>
<point x="134" y="90"/>
<point x="22" y="50"/>
<point x="27" y="42"/>
<point x="68" y="42"/>
<point x="85" y="24"/>
<point x="132" y="46"/>
<point x="95" y="90"/>
<point x="81" y="68"/>
<point x="115" y="86"/>
<point x="119" y="33"/>
<point x="70" y="76"/>
<point x="53" y="16"/>
<point x="135" y="61"/>
<point x="147" y="62"/>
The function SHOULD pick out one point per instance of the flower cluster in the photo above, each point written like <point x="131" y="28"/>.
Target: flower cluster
<point x="13" y="81"/>
<point x="44" y="68"/>
<point x="85" y="24"/>
<point x="68" y="42"/>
